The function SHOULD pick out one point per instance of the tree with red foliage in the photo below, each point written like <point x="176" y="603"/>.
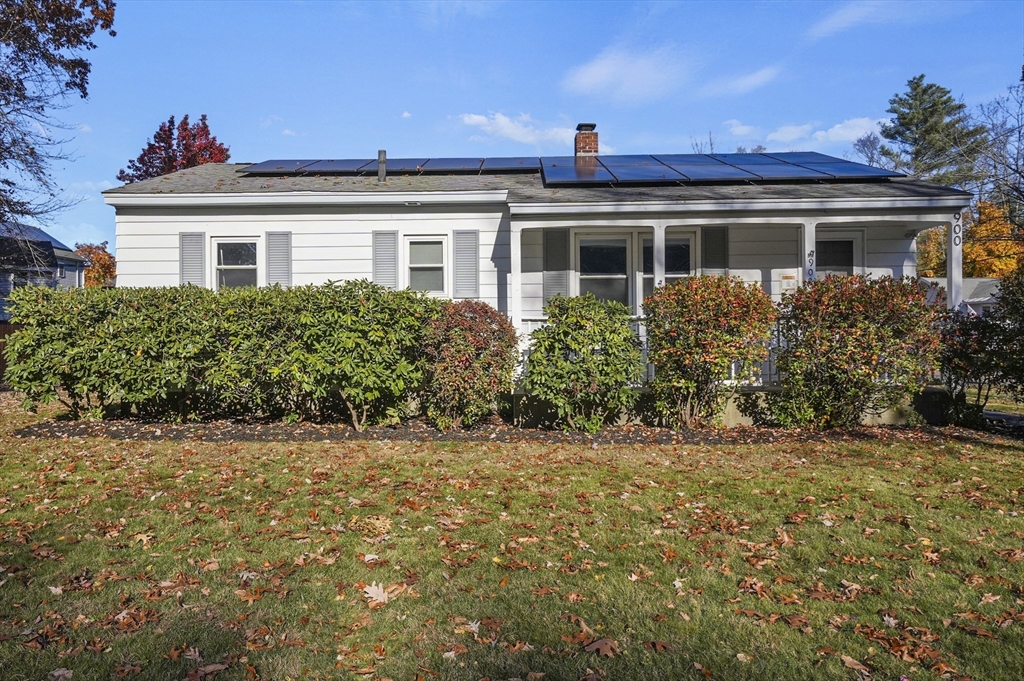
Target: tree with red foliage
<point x="102" y="266"/>
<point x="175" y="148"/>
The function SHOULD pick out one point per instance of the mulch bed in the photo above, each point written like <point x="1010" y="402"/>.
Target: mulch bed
<point x="495" y="430"/>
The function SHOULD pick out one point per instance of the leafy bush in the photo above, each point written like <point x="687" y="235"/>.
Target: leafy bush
<point x="971" y="357"/>
<point x="313" y="352"/>
<point x="585" y="362"/>
<point x="850" y="346"/>
<point x="472" y="352"/>
<point x="702" y="331"/>
<point x="1010" y="310"/>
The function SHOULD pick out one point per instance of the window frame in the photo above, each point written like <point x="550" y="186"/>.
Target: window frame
<point x="634" y="256"/>
<point x="446" y="267"/>
<point x="856" y="236"/>
<point x="689" y="237"/>
<point x="260" y="266"/>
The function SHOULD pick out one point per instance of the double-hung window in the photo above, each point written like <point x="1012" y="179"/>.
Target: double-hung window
<point x="427" y="264"/>
<point x="604" y="268"/>
<point x="678" y="263"/>
<point x="236" y="263"/>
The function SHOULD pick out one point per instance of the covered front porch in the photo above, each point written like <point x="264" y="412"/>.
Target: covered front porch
<point x="623" y="257"/>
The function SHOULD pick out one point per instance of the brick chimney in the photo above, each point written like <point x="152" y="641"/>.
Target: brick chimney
<point x="586" y="139"/>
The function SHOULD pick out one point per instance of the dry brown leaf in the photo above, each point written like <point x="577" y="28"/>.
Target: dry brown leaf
<point x="604" y="647"/>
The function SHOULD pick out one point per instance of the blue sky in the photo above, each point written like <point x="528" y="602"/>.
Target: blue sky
<point x="342" y="80"/>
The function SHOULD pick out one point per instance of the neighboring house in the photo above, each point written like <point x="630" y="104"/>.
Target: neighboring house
<point x="30" y="256"/>
<point x="979" y="293"/>
<point x="513" y="232"/>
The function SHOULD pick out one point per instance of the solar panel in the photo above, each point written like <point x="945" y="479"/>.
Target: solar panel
<point x="626" y="160"/>
<point x="745" y="159"/>
<point x="523" y="163"/>
<point x="659" y="173"/>
<point x="397" y="165"/>
<point x="687" y="159"/>
<point x="277" y="167"/>
<point x="783" y="171"/>
<point x="350" y="165"/>
<point x="574" y="170"/>
<point x="708" y="172"/>
<point x="850" y="170"/>
<point x="802" y="157"/>
<point x="451" y="165"/>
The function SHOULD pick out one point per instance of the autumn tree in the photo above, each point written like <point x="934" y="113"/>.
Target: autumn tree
<point x="42" y="43"/>
<point x="175" y="148"/>
<point x="102" y="266"/>
<point x="932" y="136"/>
<point x="931" y="252"/>
<point x="1001" y="163"/>
<point x="992" y="245"/>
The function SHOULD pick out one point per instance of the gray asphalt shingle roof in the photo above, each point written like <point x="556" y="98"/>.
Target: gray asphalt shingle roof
<point x="522" y="188"/>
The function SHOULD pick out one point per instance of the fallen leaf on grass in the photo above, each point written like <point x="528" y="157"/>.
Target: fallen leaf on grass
<point x="535" y="676"/>
<point x="376" y="596"/>
<point x="853" y="664"/>
<point x="60" y="675"/>
<point x="604" y="647"/>
<point x="743" y="658"/>
<point x="658" y="646"/>
<point x="988" y="598"/>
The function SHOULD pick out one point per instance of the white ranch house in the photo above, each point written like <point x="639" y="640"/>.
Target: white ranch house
<point x="513" y="232"/>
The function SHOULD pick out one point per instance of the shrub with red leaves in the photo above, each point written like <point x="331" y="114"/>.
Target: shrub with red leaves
<point x="471" y="350"/>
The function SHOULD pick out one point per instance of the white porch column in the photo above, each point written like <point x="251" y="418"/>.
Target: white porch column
<point x="659" y="254"/>
<point x="955" y="262"/>
<point x="807" y="250"/>
<point x="515" y="294"/>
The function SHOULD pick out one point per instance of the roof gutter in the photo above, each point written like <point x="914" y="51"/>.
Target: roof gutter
<point x="952" y="203"/>
<point x="491" y="196"/>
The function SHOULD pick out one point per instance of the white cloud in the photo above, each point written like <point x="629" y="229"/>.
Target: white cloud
<point x="406" y="114"/>
<point x="840" y="133"/>
<point x="848" y="131"/>
<point x="865" y="12"/>
<point x="741" y="85"/>
<point x="287" y="132"/>
<point x="270" y="120"/>
<point x="739" y="129"/>
<point x="520" y="129"/>
<point x="100" y="186"/>
<point x="791" y="133"/>
<point x="629" y="77"/>
<point x="83" y="127"/>
<point x="847" y="17"/>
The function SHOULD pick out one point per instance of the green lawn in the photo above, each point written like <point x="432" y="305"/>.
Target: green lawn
<point x="1000" y="401"/>
<point x="897" y="553"/>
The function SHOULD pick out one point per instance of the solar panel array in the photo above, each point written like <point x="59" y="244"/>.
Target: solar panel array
<point x="605" y="170"/>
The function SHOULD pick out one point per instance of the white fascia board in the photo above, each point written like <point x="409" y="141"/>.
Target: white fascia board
<point x="822" y="205"/>
<point x="309" y="199"/>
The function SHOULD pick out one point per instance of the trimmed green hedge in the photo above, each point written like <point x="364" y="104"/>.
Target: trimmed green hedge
<point x="352" y="351"/>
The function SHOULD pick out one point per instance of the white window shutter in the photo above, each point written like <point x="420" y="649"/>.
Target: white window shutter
<point x="467" y="263"/>
<point x="279" y="258"/>
<point x="385" y="259"/>
<point x="715" y="249"/>
<point x="556" y="263"/>
<point x="192" y="258"/>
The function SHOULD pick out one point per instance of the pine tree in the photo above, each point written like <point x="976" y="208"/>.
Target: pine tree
<point x="175" y="148"/>
<point x="933" y="137"/>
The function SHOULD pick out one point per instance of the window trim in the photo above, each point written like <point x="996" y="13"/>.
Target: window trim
<point x="446" y="262"/>
<point x="261" y="269"/>
<point x="857" y="236"/>
<point x="634" y="237"/>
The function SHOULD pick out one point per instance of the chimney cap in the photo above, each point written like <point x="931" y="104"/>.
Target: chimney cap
<point x="586" y="127"/>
